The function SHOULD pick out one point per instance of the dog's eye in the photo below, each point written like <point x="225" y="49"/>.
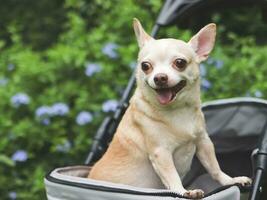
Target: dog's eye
<point x="146" y="67"/>
<point x="180" y="64"/>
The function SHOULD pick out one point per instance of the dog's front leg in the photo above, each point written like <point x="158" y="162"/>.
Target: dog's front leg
<point x="163" y="164"/>
<point x="206" y="155"/>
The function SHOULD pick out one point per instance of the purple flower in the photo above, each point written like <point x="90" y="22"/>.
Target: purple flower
<point x="92" y="68"/>
<point x="202" y="69"/>
<point x="110" y="50"/>
<point x="258" y="94"/>
<point x="110" y="105"/>
<point x="60" y="109"/>
<point x="43" y="111"/>
<point x="20" y="99"/>
<point x="12" y="195"/>
<point x="3" y="81"/>
<point x="10" y="67"/>
<point x="205" y="84"/>
<point x="219" y="64"/>
<point x="46" y="121"/>
<point x="64" y="147"/>
<point x="20" y="156"/>
<point x="84" y="117"/>
<point x="132" y="65"/>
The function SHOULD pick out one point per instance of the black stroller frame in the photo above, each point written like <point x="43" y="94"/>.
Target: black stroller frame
<point x="175" y="12"/>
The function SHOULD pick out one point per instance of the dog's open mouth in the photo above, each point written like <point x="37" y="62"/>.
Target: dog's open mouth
<point x="167" y="95"/>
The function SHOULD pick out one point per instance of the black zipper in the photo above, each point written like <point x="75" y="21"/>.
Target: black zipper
<point x="109" y="189"/>
<point x="128" y="191"/>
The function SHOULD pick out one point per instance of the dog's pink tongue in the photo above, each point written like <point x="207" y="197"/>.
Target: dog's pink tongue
<point x="164" y="96"/>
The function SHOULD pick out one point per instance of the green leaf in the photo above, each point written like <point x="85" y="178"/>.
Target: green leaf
<point x="6" y="160"/>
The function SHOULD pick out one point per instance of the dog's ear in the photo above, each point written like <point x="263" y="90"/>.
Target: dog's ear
<point x="141" y="36"/>
<point x="203" y="41"/>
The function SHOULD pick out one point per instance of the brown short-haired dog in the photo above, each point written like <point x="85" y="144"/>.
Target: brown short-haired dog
<point x="164" y="126"/>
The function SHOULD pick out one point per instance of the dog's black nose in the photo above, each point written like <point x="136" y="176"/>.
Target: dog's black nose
<point x="161" y="79"/>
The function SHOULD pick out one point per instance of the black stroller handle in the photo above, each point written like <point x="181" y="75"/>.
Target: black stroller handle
<point x="257" y="191"/>
<point x="109" y="125"/>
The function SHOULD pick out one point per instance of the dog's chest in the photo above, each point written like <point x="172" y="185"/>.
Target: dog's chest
<point x="182" y="124"/>
<point x="183" y="156"/>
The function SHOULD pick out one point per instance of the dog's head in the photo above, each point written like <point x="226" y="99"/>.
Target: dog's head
<point x="168" y="69"/>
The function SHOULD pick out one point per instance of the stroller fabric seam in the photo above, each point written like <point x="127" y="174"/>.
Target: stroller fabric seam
<point x="60" y="180"/>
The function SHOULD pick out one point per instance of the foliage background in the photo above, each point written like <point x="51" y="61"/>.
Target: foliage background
<point x="64" y="64"/>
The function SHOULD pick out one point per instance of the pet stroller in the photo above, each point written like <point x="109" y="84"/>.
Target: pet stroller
<point x="237" y="127"/>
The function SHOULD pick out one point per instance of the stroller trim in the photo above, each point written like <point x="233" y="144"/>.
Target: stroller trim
<point x="79" y="182"/>
<point x="235" y="100"/>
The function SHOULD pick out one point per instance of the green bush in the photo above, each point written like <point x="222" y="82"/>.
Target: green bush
<point x="54" y="95"/>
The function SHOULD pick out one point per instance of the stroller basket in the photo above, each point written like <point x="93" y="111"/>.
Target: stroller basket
<point x="73" y="184"/>
<point x="234" y="126"/>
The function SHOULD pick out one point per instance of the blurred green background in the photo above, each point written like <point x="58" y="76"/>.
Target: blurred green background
<point x="64" y="65"/>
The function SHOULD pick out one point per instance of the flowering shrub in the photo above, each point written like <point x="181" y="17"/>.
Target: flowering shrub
<point x="84" y="118"/>
<point x="110" y="50"/>
<point x="20" y="99"/>
<point x="91" y="69"/>
<point x="109" y="105"/>
<point x="53" y="99"/>
<point x="20" y="156"/>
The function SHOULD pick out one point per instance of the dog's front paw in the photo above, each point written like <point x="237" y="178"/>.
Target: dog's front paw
<point x="242" y="180"/>
<point x="194" y="194"/>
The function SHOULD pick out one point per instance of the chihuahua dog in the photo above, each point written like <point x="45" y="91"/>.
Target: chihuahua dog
<point x="164" y="126"/>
